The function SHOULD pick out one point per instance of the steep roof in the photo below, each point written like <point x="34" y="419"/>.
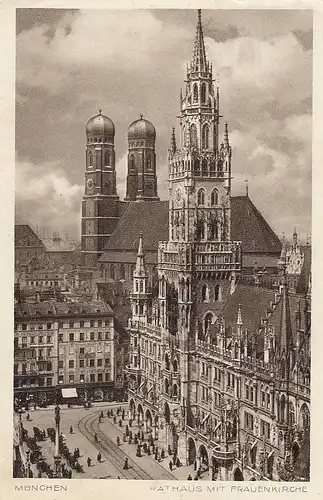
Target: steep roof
<point x="249" y="226"/>
<point x="254" y="303"/>
<point x="25" y="237"/>
<point x="304" y="277"/>
<point x="151" y="219"/>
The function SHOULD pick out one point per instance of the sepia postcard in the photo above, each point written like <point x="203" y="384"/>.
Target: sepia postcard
<point x="160" y="178"/>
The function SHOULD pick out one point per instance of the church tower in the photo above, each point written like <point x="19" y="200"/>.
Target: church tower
<point x="141" y="177"/>
<point x="100" y="201"/>
<point x="199" y="262"/>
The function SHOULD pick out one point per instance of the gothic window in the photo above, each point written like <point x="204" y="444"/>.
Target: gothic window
<point x="141" y="286"/>
<point x="214" y="197"/>
<point x="208" y="321"/>
<point x="291" y="414"/>
<point x="217" y="292"/>
<point x="193" y="135"/>
<point x="112" y="272"/>
<point x="305" y="417"/>
<point x="175" y="365"/>
<point x="107" y="159"/>
<point x="203" y="93"/>
<point x="167" y="365"/>
<point x="205" y="136"/>
<point x="90" y="159"/>
<point x="282" y="409"/>
<point x="131" y="162"/>
<point x="175" y="391"/>
<point x="122" y="272"/>
<point x="195" y="93"/>
<point x="204" y="166"/>
<point x="205" y="293"/>
<point x="166" y="386"/>
<point x="201" y="197"/>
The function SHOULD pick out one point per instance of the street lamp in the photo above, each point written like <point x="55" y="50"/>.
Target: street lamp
<point x="57" y="457"/>
<point x="28" y="463"/>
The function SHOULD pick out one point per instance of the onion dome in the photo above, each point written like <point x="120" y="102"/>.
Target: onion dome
<point x="141" y="129"/>
<point x="100" y="125"/>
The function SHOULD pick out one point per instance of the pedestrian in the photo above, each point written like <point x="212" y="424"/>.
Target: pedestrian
<point x="120" y="423"/>
<point x="148" y="451"/>
<point x="178" y="462"/>
<point x="28" y="417"/>
<point x="39" y="474"/>
<point x="123" y="414"/>
<point x="70" y="473"/>
<point x="138" y="454"/>
<point x="170" y="465"/>
<point x="99" y="457"/>
<point x="89" y="462"/>
<point x="196" y="478"/>
<point x="101" y="414"/>
<point x="71" y="430"/>
<point x="35" y="406"/>
<point x="95" y="438"/>
<point x="124" y="438"/>
<point x="130" y="440"/>
<point x="78" y="452"/>
<point x="114" y="419"/>
<point x="100" y="419"/>
<point x="118" y="441"/>
<point x="130" y="434"/>
<point x="169" y="450"/>
<point x="162" y="454"/>
<point x="130" y="423"/>
<point x="189" y="477"/>
<point x="126" y="466"/>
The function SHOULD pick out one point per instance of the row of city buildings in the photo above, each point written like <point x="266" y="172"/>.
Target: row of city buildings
<point x="192" y="306"/>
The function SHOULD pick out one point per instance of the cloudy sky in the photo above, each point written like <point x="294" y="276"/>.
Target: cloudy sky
<point x="72" y="63"/>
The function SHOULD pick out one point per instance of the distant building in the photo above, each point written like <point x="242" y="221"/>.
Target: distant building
<point x="61" y="253"/>
<point x="67" y="345"/>
<point x="30" y="251"/>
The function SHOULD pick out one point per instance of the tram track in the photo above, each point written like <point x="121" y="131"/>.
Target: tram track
<point x="88" y="426"/>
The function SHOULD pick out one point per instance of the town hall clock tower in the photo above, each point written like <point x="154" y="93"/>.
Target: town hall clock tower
<point x="100" y="200"/>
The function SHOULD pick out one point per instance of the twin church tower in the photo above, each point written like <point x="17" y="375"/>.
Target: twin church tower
<point x="101" y="207"/>
<point x="199" y="168"/>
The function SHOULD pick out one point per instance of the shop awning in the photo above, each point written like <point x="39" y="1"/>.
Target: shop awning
<point x="69" y="393"/>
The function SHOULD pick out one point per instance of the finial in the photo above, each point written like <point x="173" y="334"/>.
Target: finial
<point x="239" y="320"/>
<point x="199" y="16"/>
<point x="141" y="116"/>
<point x="226" y="134"/>
<point x="247" y="187"/>
<point x="100" y="111"/>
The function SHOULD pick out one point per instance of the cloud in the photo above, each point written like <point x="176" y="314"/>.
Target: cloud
<point x="132" y="62"/>
<point x="46" y="198"/>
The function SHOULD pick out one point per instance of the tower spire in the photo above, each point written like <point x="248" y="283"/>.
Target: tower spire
<point x="199" y="63"/>
<point x="285" y="323"/>
<point x="173" y="141"/>
<point x="226" y="135"/>
<point x="140" y="263"/>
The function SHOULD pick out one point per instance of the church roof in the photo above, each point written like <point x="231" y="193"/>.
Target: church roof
<point x="25" y="237"/>
<point x="151" y="219"/>
<point x="249" y="226"/>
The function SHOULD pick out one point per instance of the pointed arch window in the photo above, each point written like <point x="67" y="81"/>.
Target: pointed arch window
<point x="203" y="93"/>
<point x="214" y="198"/>
<point x="112" y="272"/>
<point x="90" y="159"/>
<point x="205" y="293"/>
<point x="132" y="164"/>
<point x="193" y="135"/>
<point x="217" y="293"/>
<point x="208" y="320"/>
<point x="149" y="162"/>
<point x="107" y="159"/>
<point x="201" y="197"/>
<point x="205" y="136"/>
<point x="122" y="272"/>
<point x="195" y="93"/>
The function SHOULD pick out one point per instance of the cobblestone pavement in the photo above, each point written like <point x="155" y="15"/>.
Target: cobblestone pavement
<point x="85" y="423"/>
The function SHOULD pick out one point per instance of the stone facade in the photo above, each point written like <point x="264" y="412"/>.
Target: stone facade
<point x="219" y="372"/>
